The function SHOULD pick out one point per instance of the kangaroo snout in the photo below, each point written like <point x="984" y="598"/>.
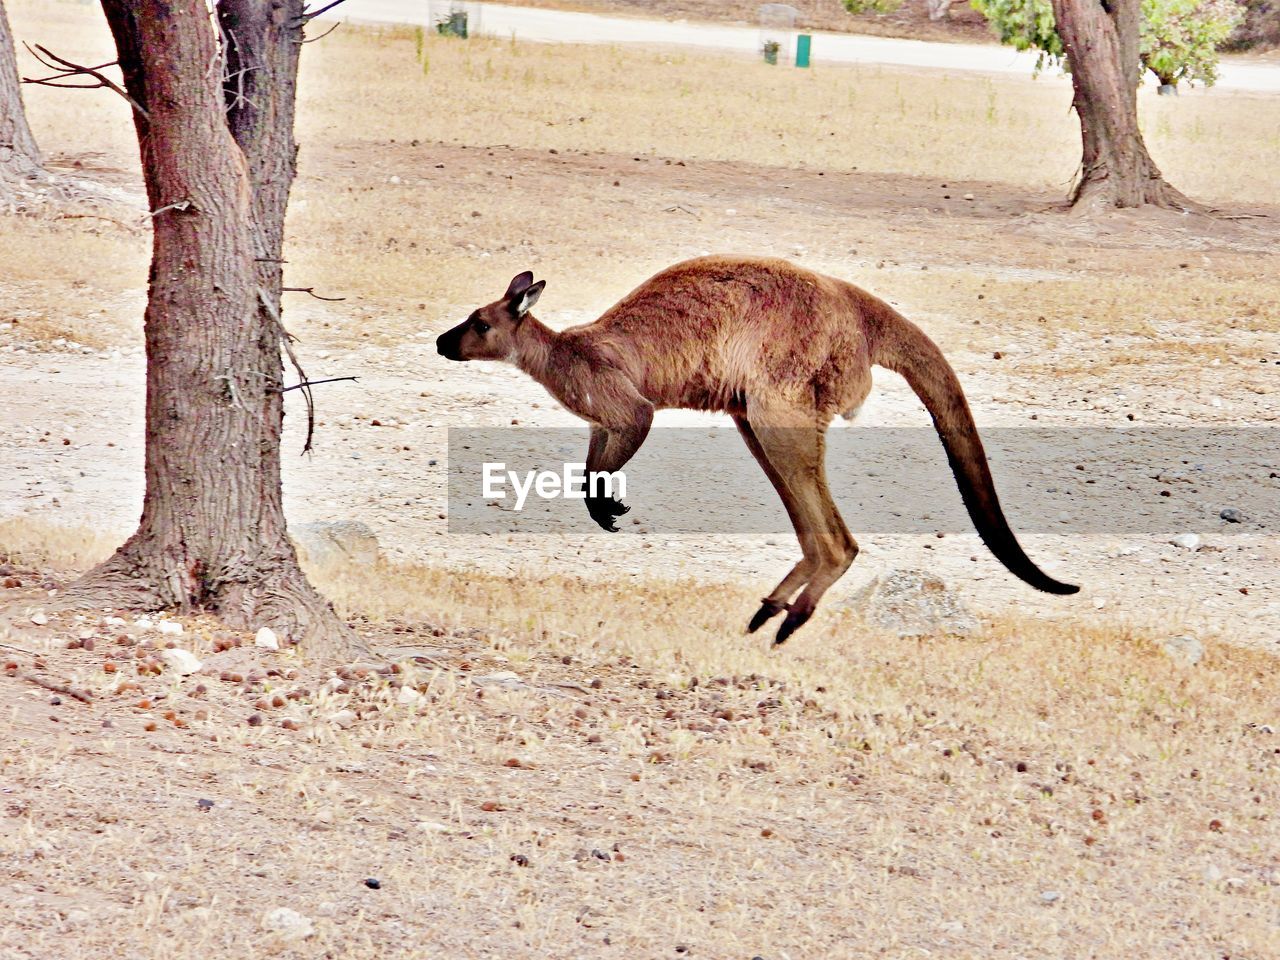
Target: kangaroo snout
<point x="447" y="345"/>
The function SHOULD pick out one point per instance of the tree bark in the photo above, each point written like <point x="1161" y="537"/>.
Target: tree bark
<point x="20" y="162"/>
<point x="1101" y="40"/>
<point x="212" y="534"/>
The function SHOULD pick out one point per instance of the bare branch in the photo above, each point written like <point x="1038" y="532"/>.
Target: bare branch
<point x="322" y="36"/>
<point x="65" y="69"/>
<point x="54" y="686"/>
<point x="312" y="383"/>
<point x="183" y="204"/>
<point x="311" y="16"/>
<point x="304" y="384"/>
<point x="312" y="292"/>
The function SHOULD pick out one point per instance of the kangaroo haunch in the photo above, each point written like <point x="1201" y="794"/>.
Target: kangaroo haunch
<point x="782" y="350"/>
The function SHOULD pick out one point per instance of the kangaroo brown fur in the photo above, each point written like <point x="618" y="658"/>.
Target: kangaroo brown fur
<point x="782" y="350"/>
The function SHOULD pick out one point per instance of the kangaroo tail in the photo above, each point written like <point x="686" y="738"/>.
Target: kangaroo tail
<point x="901" y="346"/>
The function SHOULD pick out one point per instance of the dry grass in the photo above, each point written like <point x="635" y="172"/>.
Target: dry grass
<point x="706" y="107"/>
<point x="855" y="794"/>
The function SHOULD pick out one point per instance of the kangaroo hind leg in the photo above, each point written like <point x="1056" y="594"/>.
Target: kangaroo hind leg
<point x="797" y="455"/>
<point x="776" y="602"/>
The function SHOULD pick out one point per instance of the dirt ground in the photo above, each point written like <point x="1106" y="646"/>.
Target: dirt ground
<point x="590" y="759"/>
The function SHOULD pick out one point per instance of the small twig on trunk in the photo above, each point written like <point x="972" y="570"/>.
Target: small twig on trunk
<point x="64" y="70"/>
<point x="312" y="383"/>
<point x="183" y="204"/>
<point x="55" y="687"/>
<point x="322" y="36"/>
<point x="286" y="339"/>
<point x="307" y="16"/>
<point x="312" y="291"/>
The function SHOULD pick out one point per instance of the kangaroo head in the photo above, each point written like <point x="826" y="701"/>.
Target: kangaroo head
<point x="490" y="332"/>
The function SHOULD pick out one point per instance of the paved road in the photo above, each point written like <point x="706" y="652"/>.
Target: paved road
<point x="528" y="23"/>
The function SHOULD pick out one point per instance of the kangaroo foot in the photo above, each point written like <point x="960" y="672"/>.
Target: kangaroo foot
<point x="604" y="510"/>
<point x="796" y="618"/>
<point x="768" y="610"/>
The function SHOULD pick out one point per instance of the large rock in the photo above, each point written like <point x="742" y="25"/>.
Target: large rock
<point x="912" y="603"/>
<point x="336" y="543"/>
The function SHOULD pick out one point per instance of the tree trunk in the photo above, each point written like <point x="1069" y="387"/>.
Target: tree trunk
<point x="20" y="163"/>
<point x="1101" y="42"/>
<point x="212" y="534"/>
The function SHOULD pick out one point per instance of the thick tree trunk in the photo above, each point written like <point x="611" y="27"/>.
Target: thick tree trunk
<point x="20" y="164"/>
<point x="212" y="533"/>
<point x="1101" y="42"/>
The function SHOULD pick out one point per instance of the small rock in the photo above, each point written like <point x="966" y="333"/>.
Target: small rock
<point x="39" y="618"/>
<point x="1231" y="515"/>
<point x="1187" y="541"/>
<point x="407" y="695"/>
<point x="171" y="627"/>
<point x="1187" y="650"/>
<point x="288" y="925"/>
<point x="968" y="196"/>
<point x="266" y="639"/>
<point x="912" y="603"/>
<point x="204" y="804"/>
<point x="373" y="883"/>
<point x="182" y="662"/>
<point x="1050" y="896"/>
<point x="343" y="718"/>
<point x="336" y="542"/>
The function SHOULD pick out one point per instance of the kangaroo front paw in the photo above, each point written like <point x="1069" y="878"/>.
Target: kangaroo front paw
<point x="768" y="610"/>
<point x="605" y="510"/>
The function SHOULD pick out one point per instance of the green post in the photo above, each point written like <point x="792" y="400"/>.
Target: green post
<point x="802" y="50"/>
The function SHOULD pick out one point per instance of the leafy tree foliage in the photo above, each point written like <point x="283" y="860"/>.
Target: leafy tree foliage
<point x="1179" y="39"/>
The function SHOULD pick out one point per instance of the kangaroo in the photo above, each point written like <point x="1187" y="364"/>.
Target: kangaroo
<point x="782" y="350"/>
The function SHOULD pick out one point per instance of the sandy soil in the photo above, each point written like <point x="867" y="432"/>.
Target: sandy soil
<point x="392" y="476"/>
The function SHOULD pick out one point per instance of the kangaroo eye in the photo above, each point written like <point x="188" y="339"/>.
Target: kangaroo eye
<point x="481" y="327"/>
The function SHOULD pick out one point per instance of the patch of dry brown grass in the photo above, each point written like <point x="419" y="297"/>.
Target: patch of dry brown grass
<point x="707" y="107"/>
<point x="1035" y="791"/>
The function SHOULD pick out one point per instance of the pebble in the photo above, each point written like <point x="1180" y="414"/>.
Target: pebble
<point x="1187" y="541"/>
<point x="373" y="883"/>
<point x="1231" y="515"/>
<point x="345" y="719"/>
<point x="408" y="695"/>
<point x="1187" y="650"/>
<point x="39" y="618"/>
<point x="180" y="661"/>
<point x="1050" y="896"/>
<point x="171" y="627"/>
<point x="288" y="924"/>
<point x="266" y="639"/>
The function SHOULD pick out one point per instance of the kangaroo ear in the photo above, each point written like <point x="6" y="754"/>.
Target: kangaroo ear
<point x="525" y="301"/>
<point x="519" y="284"/>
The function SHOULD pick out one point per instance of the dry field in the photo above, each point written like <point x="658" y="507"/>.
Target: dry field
<point x="589" y="759"/>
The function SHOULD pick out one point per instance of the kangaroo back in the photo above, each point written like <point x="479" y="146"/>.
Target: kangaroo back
<point x="904" y="348"/>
